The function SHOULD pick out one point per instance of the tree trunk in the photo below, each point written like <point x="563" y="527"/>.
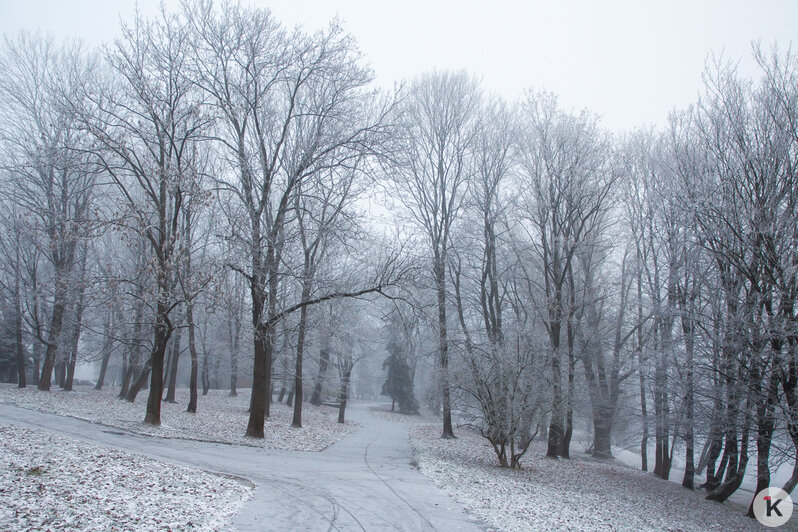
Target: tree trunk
<point x="74" y="341"/>
<point x="173" y="366"/>
<point x="56" y="322"/>
<point x="282" y="392"/>
<point x="61" y="364"/>
<point x="662" y="464"/>
<point x="260" y="383"/>
<point x="260" y="398"/>
<point x="735" y="478"/>
<point x="167" y="367"/>
<point x="206" y="378"/>
<point x="639" y="348"/>
<point x="103" y="368"/>
<point x="344" y="392"/>
<point x="731" y="372"/>
<point x="728" y="462"/>
<point x="174" y="363"/>
<point x="134" y="349"/>
<point x="565" y="445"/>
<point x="108" y="345"/>
<point x="127" y="375"/>
<point x="22" y="380"/>
<point x="234" y="340"/>
<point x="689" y="468"/>
<point x="300" y="347"/>
<point x="556" y="423"/>
<point x="163" y="330"/>
<point x="324" y="362"/>
<point x="793" y="480"/>
<point x="215" y="370"/>
<point x="37" y="358"/>
<point x="141" y="379"/>
<point x="715" y="439"/>
<point x="52" y="339"/>
<point x="764" y="437"/>
<point x="713" y="453"/>
<point x="602" y="426"/>
<point x="443" y="344"/>
<point x="789" y="381"/>
<point x="192" y="348"/>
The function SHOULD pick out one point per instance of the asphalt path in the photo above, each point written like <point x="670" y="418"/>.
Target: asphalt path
<point x="366" y="481"/>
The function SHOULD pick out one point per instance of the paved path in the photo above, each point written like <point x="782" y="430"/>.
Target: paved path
<point x="363" y="482"/>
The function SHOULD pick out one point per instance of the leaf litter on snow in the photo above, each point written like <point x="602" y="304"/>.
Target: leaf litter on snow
<point x="579" y="494"/>
<point x="50" y="482"/>
<point x="220" y="418"/>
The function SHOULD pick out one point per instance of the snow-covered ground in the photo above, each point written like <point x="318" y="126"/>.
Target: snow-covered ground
<point x="220" y="418"/>
<point x="383" y="411"/>
<point x="576" y="494"/>
<point x="363" y="482"/>
<point x="49" y="482"/>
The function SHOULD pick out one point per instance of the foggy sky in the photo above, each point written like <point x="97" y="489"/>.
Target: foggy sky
<point x="630" y="61"/>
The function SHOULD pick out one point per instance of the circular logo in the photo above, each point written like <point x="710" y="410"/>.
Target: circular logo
<point x="772" y="507"/>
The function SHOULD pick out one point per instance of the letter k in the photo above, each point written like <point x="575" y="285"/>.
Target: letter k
<point x="773" y="507"/>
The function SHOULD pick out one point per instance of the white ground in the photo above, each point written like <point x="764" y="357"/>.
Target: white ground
<point x="219" y="418"/>
<point x="778" y="474"/>
<point x="49" y="482"/>
<point x="370" y="479"/>
<point x="384" y="412"/>
<point x="576" y="494"/>
<point x="365" y="481"/>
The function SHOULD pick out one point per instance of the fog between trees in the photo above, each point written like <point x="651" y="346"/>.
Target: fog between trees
<point x="216" y="179"/>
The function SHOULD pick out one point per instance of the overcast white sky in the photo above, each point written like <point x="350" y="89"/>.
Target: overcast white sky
<point x="631" y="61"/>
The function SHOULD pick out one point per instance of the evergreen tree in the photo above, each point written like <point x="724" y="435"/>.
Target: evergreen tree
<point x="398" y="383"/>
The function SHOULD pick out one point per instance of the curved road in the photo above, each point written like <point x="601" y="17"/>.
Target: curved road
<point x="363" y="482"/>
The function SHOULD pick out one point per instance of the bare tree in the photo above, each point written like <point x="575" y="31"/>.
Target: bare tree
<point x="431" y="176"/>
<point x="501" y="372"/>
<point x="53" y="179"/>
<point x="320" y="210"/>
<point x="12" y="265"/>
<point x="145" y="120"/>
<point x="748" y="135"/>
<point x="567" y="193"/>
<point x="290" y="106"/>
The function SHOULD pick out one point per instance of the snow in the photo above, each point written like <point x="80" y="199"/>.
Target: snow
<point x="49" y="482"/>
<point x="778" y="475"/>
<point x="575" y="494"/>
<point x="383" y="411"/>
<point x="220" y="418"/>
<point x="363" y="482"/>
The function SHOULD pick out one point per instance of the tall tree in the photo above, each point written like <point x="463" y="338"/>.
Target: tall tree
<point x="567" y="186"/>
<point x="290" y="106"/>
<point x="321" y="212"/>
<point x="146" y="119"/>
<point x="44" y="150"/>
<point x="434" y="166"/>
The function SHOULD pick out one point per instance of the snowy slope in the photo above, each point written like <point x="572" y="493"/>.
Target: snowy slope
<point x="576" y="494"/>
<point x="220" y="418"/>
<point x="50" y="482"/>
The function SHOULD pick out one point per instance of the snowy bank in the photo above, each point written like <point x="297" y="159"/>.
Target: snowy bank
<point x="576" y="494"/>
<point x="49" y="482"/>
<point x="220" y="418"/>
